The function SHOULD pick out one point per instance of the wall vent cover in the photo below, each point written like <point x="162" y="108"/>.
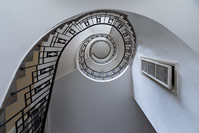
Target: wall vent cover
<point x="163" y="72"/>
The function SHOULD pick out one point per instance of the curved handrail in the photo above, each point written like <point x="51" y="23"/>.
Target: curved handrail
<point x="26" y="104"/>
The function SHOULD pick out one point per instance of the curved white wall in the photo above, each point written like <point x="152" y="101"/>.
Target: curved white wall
<point x="167" y="112"/>
<point x="23" y="22"/>
<point x="92" y="107"/>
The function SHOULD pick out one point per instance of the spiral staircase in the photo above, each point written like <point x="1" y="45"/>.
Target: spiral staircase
<point x="106" y="46"/>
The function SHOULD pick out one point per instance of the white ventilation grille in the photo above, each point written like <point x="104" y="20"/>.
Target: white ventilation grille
<point x="160" y="71"/>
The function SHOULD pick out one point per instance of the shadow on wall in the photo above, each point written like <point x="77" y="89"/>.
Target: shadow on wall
<point x="86" y="106"/>
<point x="166" y="111"/>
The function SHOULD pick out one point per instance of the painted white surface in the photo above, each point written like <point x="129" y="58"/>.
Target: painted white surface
<point x="86" y="106"/>
<point x="22" y="22"/>
<point x="167" y="112"/>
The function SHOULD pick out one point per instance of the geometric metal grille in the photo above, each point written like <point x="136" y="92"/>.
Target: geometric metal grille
<point x="25" y="109"/>
<point x="115" y="50"/>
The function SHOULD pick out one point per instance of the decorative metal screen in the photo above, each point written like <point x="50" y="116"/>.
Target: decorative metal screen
<point x="159" y="71"/>
<point x="26" y="104"/>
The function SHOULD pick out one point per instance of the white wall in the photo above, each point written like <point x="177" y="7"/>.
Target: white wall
<point x="167" y="112"/>
<point x="86" y="106"/>
<point x="22" y="22"/>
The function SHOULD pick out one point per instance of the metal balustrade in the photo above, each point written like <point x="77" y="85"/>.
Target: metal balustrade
<point x="26" y="104"/>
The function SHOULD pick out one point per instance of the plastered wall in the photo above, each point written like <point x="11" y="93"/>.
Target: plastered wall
<point x="23" y="22"/>
<point x="168" y="113"/>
